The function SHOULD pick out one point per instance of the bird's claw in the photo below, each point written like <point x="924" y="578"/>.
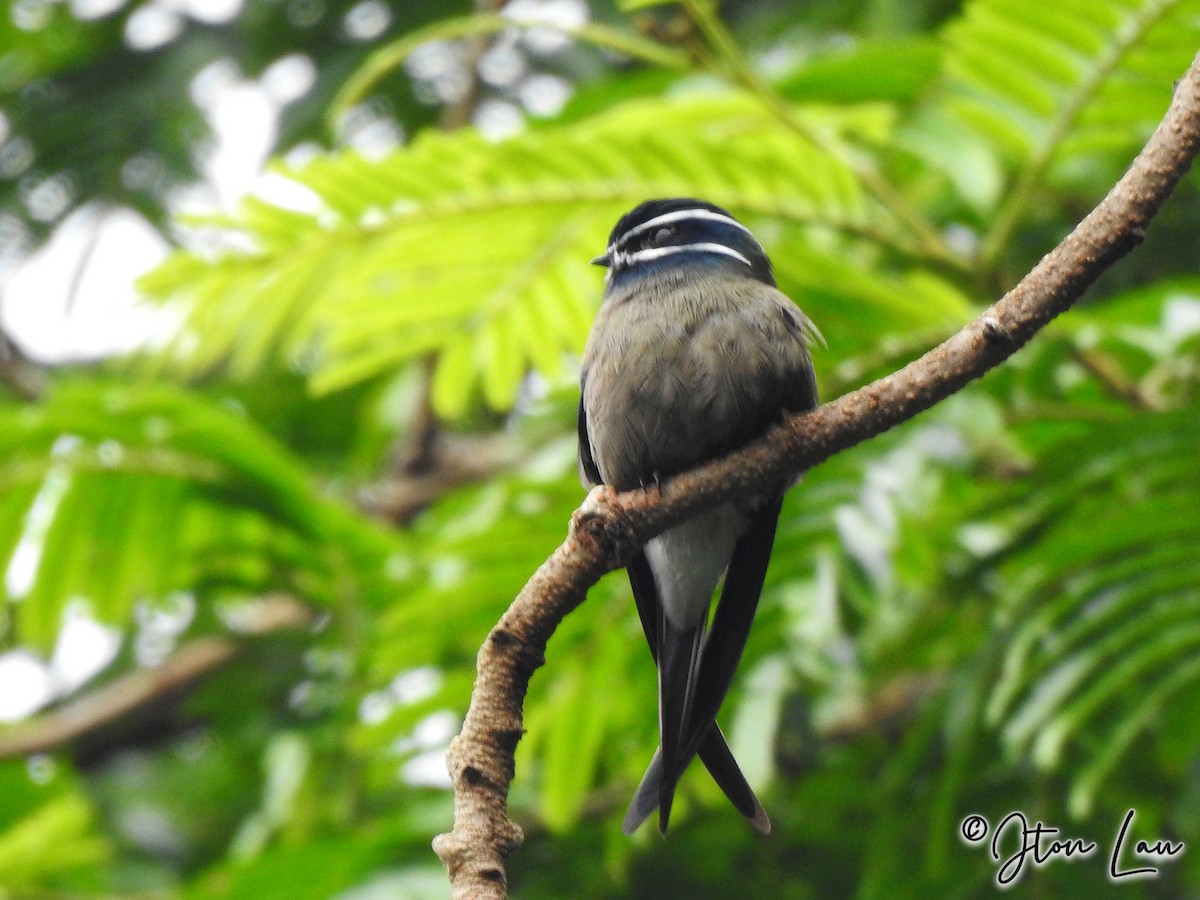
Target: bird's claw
<point x="655" y="485"/>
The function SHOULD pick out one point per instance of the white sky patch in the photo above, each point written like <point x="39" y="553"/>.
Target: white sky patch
<point x="95" y="9"/>
<point x="367" y="20"/>
<point x="415" y="685"/>
<point x="1181" y="317"/>
<point x="208" y="83"/>
<point x="25" y="685"/>
<point x="152" y="26"/>
<point x="84" y="648"/>
<point x="74" y="299"/>
<point x="497" y="119"/>
<point x="562" y="15"/>
<point x="289" y="78"/>
<point x="281" y="191"/>
<point x="427" y="769"/>
<point x="544" y="95"/>
<point x="23" y="564"/>
<point x="211" y="12"/>
<point x="245" y="119"/>
<point x="430" y="739"/>
<point x="368" y="129"/>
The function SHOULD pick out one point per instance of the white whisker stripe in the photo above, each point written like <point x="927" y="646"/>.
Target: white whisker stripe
<point x="625" y="259"/>
<point x="681" y="215"/>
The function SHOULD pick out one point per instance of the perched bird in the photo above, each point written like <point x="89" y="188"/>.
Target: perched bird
<point x="694" y="352"/>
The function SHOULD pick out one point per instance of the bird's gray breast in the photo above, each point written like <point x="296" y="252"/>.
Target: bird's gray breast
<point x="676" y="374"/>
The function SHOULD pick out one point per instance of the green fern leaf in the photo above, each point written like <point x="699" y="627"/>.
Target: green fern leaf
<point x="1048" y="81"/>
<point x="477" y="253"/>
<point x="1108" y="593"/>
<point x="123" y="495"/>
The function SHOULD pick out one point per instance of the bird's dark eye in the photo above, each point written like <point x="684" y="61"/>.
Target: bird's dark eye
<point x="663" y="235"/>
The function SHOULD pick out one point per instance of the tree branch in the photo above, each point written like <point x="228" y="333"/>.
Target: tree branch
<point x="609" y="526"/>
<point x="119" y="699"/>
<point x="135" y="691"/>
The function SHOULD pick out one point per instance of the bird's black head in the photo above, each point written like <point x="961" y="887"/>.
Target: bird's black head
<point x="682" y="231"/>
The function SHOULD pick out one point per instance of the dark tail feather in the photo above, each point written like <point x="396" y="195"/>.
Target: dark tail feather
<point x="734" y="614"/>
<point x="746" y="574"/>
<point x="719" y="761"/>
<point x="645" y="798"/>
<point x="679" y="655"/>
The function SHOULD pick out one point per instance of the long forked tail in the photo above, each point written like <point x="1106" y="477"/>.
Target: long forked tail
<point x="715" y="754"/>
<point x="695" y="672"/>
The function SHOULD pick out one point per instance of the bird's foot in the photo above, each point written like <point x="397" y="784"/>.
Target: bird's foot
<point x="600" y="496"/>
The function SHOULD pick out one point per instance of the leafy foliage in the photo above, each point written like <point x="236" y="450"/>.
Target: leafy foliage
<point x="1055" y="81"/>
<point x="988" y="609"/>
<point x="121" y="494"/>
<point x="331" y="290"/>
<point x="63" y="76"/>
<point x="1089" y="620"/>
<point x="36" y="813"/>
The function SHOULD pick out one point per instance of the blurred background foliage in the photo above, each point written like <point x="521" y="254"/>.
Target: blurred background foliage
<point x="289" y="527"/>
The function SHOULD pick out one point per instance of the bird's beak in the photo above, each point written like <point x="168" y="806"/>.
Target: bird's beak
<point x="602" y="260"/>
